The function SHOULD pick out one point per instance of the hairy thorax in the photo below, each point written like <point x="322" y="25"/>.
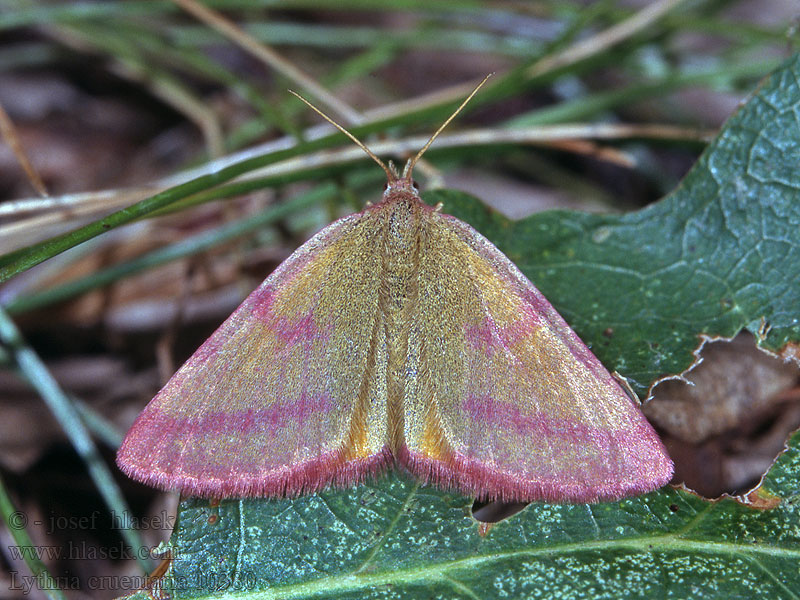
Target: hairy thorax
<point x="403" y="234"/>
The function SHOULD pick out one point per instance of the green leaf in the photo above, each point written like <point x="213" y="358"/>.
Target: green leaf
<point x="717" y="255"/>
<point x="395" y="539"/>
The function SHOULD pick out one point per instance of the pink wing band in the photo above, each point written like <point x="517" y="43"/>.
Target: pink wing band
<point x="229" y="481"/>
<point x="542" y="310"/>
<point x="471" y="476"/>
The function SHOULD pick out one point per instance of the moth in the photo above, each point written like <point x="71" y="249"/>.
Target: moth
<point x="396" y="335"/>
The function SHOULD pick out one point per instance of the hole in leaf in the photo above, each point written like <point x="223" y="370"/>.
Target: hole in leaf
<point x="494" y="511"/>
<point x="724" y="432"/>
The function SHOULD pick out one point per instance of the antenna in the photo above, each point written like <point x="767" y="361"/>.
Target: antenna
<point x="358" y="142"/>
<point x="410" y="164"/>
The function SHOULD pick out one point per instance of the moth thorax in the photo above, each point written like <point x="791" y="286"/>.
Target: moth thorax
<point x="404" y="219"/>
<point x="401" y="240"/>
<point x="401" y="246"/>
